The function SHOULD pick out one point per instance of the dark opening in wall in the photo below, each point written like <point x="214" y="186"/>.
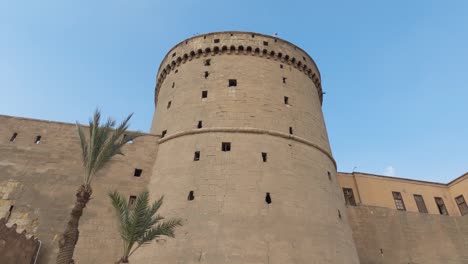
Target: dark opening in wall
<point x="207" y="62"/>
<point x="169" y="104"/>
<point x="265" y="43"/>
<point x="173" y="54"/>
<point x="232" y="82"/>
<point x="286" y="100"/>
<point x="176" y="71"/>
<point x="268" y="198"/>
<point x="216" y="41"/>
<point x="163" y="133"/>
<point x="329" y="175"/>
<point x="204" y="37"/>
<point x="13" y="137"/>
<point x="284" y="79"/>
<point x="264" y="156"/>
<point x="196" y="156"/>
<point x="276" y="40"/>
<point x="38" y="140"/>
<point x="304" y="58"/>
<point x="281" y="66"/>
<point x="191" y="196"/>
<point x="204" y="94"/>
<point x="10" y="211"/>
<point x="131" y="201"/>
<point x="200" y="124"/>
<point x="290" y="130"/>
<point x="128" y="139"/>
<point x="138" y="172"/>
<point x="253" y="35"/>
<point x="339" y="214"/>
<point x="206" y="74"/>
<point x="173" y="84"/>
<point x="226" y="146"/>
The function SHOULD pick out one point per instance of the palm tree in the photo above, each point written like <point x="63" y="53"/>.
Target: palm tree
<point x="138" y="222"/>
<point x="103" y="142"/>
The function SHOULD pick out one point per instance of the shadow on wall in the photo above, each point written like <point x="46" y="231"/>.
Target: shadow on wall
<point x="16" y="248"/>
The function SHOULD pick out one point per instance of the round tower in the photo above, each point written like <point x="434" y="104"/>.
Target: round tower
<point x="244" y="156"/>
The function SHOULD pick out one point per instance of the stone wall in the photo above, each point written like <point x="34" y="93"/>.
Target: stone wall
<point x="16" y="248"/>
<point x="40" y="180"/>
<point x="388" y="236"/>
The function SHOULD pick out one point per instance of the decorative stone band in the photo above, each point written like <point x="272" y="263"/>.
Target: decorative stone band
<point x="248" y="130"/>
<point x="238" y="50"/>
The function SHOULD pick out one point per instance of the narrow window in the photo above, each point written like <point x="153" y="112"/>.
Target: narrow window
<point x="462" y="205"/>
<point x="400" y="205"/>
<point x="206" y="74"/>
<point x="173" y="84"/>
<point x="268" y="198"/>
<point x="281" y="66"/>
<point x="131" y="202"/>
<point x="204" y="94"/>
<point x="232" y="82"/>
<point x="339" y="214"/>
<point x="441" y="206"/>
<point x="286" y="100"/>
<point x="216" y="41"/>
<point x="191" y="196"/>
<point x="304" y="58"/>
<point x="420" y="203"/>
<point x="264" y="156"/>
<point x="13" y="138"/>
<point x="196" y="156"/>
<point x="200" y="124"/>
<point x="226" y="146"/>
<point x="265" y="43"/>
<point x="284" y="79"/>
<point x="163" y="133"/>
<point x="349" y="196"/>
<point x="137" y="172"/>
<point x="253" y="35"/>
<point x="329" y="176"/>
<point x="176" y="71"/>
<point x="10" y="211"/>
<point x="173" y="54"/>
<point x="169" y="104"/>
<point x="207" y="62"/>
<point x="38" y="140"/>
<point x="290" y="130"/>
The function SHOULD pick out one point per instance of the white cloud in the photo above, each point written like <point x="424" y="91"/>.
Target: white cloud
<point x="389" y="171"/>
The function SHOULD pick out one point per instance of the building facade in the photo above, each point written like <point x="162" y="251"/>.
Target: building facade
<point x="239" y="147"/>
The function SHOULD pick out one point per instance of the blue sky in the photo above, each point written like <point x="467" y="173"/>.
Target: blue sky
<point x="394" y="72"/>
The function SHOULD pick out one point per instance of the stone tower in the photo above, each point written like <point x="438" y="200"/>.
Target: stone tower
<point x="244" y="156"/>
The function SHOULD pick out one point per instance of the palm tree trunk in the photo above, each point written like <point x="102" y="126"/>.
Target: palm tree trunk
<point x="69" y="238"/>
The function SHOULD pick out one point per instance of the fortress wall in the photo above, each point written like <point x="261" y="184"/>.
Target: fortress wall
<point x="407" y="237"/>
<point x="40" y="181"/>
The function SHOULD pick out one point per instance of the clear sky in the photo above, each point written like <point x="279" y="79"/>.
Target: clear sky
<point x="394" y="72"/>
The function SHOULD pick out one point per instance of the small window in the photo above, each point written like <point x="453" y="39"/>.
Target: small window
<point x="349" y="196"/>
<point x="131" y="202"/>
<point x="173" y="54"/>
<point x="204" y="37"/>
<point x="206" y="74"/>
<point x="284" y="79"/>
<point x="462" y="205"/>
<point x="264" y="156"/>
<point x="207" y="62"/>
<point x="226" y="146"/>
<point x="38" y="140"/>
<point x="286" y="100"/>
<point x="268" y="198"/>
<point x="304" y="58"/>
<point x="204" y="94"/>
<point x="232" y="82"/>
<point x="163" y="133"/>
<point x="281" y="66"/>
<point x="13" y="137"/>
<point x="329" y="176"/>
<point x="216" y="41"/>
<point x="137" y="172"/>
<point x="196" y="156"/>
<point x="400" y="205"/>
<point x="265" y="43"/>
<point x="191" y="196"/>
<point x="339" y="214"/>
<point x="173" y="84"/>
<point x="176" y="71"/>
<point x="200" y="124"/>
<point x="420" y="203"/>
<point x="169" y="104"/>
<point x="253" y="35"/>
<point x="441" y="206"/>
<point x="290" y="130"/>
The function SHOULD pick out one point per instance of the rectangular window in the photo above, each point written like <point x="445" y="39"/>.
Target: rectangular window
<point x="462" y="205"/>
<point x="441" y="206"/>
<point x="131" y="202"/>
<point x="200" y="124"/>
<point x="204" y="94"/>
<point x="290" y="130"/>
<point x="163" y="133"/>
<point x="196" y="156"/>
<point x="420" y="203"/>
<point x="284" y="79"/>
<point x="265" y="43"/>
<point x="216" y="41"/>
<point x="138" y="172"/>
<point x="281" y="66"/>
<point x="232" y="82"/>
<point x="226" y="146"/>
<point x="286" y="100"/>
<point x="173" y="54"/>
<point x="169" y="104"/>
<point x="13" y="138"/>
<point x="206" y="74"/>
<point x="264" y="156"/>
<point x="207" y="62"/>
<point x="349" y="196"/>
<point x="400" y="205"/>
<point x="38" y="140"/>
